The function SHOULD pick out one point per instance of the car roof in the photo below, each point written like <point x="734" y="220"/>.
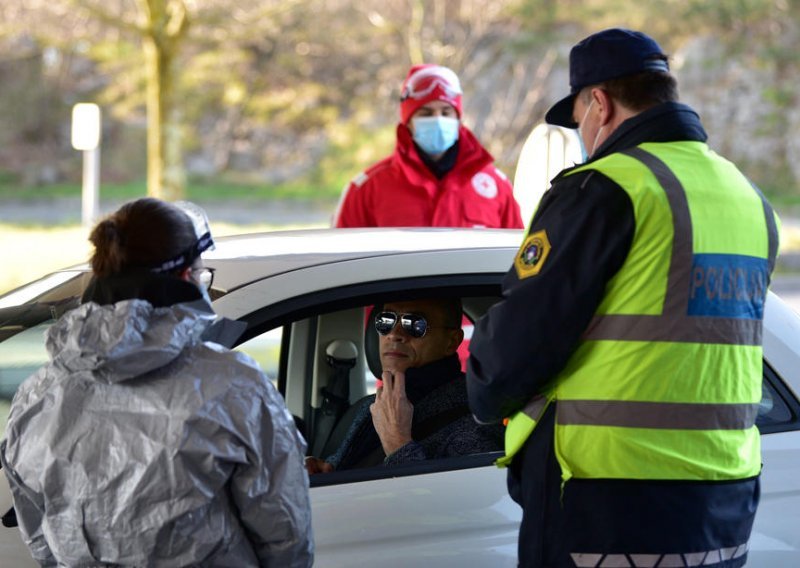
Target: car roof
<point x="263" y="255"/>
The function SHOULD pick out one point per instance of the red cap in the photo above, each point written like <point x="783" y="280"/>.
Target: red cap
<point x="426" y="83"/>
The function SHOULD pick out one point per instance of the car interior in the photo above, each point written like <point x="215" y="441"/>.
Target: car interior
<point x="328" y="361"/>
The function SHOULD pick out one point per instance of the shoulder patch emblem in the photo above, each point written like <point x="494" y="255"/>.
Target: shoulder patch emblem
<point x="484" y="185"/>
<point x="360" y="179"/>
<point x="532" y="254"/>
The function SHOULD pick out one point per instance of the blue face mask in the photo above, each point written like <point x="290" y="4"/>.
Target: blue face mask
<point x="584" y="153"/>
<point x="588" y="154"/>
<point x="435" y="134"/>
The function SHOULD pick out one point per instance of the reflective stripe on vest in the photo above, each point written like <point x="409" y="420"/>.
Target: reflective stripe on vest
<point x="675" y="324"/>
<point x="519" y="429"/>
<point x="722" y="311"/>
<point x="701" y="558"/>
<point x="658" y="415"/>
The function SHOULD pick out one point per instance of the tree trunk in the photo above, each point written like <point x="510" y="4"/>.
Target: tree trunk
<point x="166" y="178"/>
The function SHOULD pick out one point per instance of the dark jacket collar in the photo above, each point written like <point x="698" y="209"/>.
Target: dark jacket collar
<point x="441" y="167"/>
<point x="421" y="381"/>
<point x="161" y="290"/>
<point x="668" y="122"/>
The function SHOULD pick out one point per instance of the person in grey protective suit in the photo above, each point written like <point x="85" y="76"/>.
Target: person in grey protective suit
<point x="141" y="442"/>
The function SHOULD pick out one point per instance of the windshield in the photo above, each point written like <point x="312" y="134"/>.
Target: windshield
<point x="42" y="287"/>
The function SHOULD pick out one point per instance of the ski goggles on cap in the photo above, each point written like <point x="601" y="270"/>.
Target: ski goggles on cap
<point x="422" y="83"/>
<point x="203" y="243"/>
<point x="414" y="325"/>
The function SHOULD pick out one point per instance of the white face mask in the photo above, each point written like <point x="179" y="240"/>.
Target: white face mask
<point x="435" y="134"/>
<point x="587" y="155"/>
<point x="204" y="293"/>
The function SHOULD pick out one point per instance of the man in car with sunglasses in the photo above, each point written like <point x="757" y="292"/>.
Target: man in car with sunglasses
<point x="439" y="174"/>
<point x="421" y="411"/>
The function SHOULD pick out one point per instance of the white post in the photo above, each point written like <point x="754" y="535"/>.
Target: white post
<point x="86" y="137"/>
<point x="547" y="150"/>
<point x="90" y="195"/>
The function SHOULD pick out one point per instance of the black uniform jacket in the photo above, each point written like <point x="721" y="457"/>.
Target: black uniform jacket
<point x="526" y="339"/>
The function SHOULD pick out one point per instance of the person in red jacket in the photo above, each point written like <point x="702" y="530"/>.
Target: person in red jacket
<point x="439" y="174"/>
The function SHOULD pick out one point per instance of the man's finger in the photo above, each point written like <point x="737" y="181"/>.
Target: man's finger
<point x="388" y="381"/>
<point x="400" y="383"/>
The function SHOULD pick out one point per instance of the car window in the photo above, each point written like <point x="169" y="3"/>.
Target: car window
<point x="266" y="350"/>
<point x="306" y="374"/>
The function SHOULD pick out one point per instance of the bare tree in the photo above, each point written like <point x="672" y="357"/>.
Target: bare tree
<point x="161" y="31"/>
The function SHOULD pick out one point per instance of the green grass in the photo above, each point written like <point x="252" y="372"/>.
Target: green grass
<point x="211" y="190"/>
<point x="50" y="249"/>
<point x="200" y="190"/>
<point x="11" y="189"/>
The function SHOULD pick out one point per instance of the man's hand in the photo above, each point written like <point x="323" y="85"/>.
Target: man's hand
<point x="316" y="465"/>
<point x="392" y="413"/>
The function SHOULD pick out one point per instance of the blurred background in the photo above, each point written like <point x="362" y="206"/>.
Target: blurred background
<point x="262" y="110"/>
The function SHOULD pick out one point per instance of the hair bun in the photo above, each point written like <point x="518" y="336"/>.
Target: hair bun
<point x="107" y="239"/>
<point x="142" y="234"/>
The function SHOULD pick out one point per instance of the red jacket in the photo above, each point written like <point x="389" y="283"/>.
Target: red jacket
<point x="400" y="191"/>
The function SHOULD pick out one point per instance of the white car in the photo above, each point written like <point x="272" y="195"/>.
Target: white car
<point x="303" y="293"/>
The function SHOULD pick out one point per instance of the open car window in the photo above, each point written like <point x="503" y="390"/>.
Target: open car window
<point x="266" y="350"/>
<point x="307" y="370"/>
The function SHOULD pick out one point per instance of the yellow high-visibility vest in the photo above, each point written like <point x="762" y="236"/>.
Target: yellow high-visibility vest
<point x="666" y="380"/>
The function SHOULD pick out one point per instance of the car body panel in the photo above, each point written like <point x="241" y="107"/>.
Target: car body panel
<point x="379" y="522"/>
<point x="782" y="341"/>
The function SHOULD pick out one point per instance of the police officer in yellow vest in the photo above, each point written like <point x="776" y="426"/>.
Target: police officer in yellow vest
<point x="626" y="351"/>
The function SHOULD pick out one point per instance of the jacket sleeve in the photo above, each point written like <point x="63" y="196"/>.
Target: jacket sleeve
<point x="461" y="438"/>
<point x="352" y="210"/>
<point x="270" y="490"/>
<point x="525" y="340"/>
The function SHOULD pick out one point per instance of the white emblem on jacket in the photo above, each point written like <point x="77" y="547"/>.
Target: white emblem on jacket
<point x="484" y="185"/>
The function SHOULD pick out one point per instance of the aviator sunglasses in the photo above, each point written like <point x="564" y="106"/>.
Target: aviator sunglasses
<point x="413" y="324"/>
